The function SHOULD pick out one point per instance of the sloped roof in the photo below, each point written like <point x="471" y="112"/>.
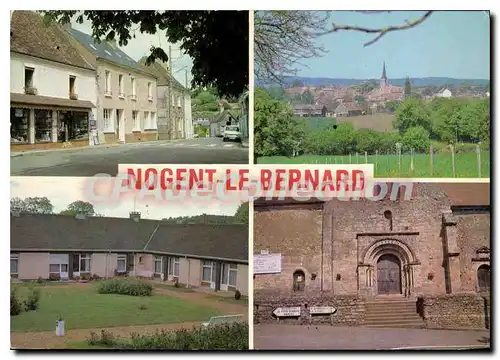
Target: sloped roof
<point x="30" y="36"/>
<point x="161" y="74"/>
<point x="105" y="50"/>
<point x="60" y="232"/>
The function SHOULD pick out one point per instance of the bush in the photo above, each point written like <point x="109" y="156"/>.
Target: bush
<point x="54" y="277"/>
<point x="237" y="295"/>
<point x="125" y="287"/>
<point x="416" y="138"/>
<point x="221" y="337"/>
<point x="39" y="280"/>
<point x="96" y="277"/>
<point x="104" y="339"/>
<point x="31" y="304"/>
<point x="86" y="277"/>
<point x="15" y="304"/>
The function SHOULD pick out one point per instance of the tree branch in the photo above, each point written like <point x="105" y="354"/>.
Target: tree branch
<point x="380" y="32"/>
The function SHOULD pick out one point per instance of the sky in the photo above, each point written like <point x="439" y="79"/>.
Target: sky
<point x="138" y="47"/>
<point x="452" y="44"/>
<point x="61" y="191"/>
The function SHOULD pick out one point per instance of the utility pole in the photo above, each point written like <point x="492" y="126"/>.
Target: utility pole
<point x="185" y="110"/>
<point x="169" y="102"/>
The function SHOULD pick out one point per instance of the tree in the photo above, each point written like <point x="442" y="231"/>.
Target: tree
<point x="241" y="215"/>
<point x="275" y="130"/>
<point x="32" y="205"/>
<point x="407" y="87"/>
<point x="412" y="112"/>
<point x="392" y="105"/>
<point x="416" y="138"/>
<point x="216" y="41"/>
<point x="283" y="38"/>
<point x="359" y="99"/>
<point x="307" y="97"/>
<point x="79" y="207"/>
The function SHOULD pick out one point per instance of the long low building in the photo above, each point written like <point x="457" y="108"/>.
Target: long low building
<point x="67" y="247"/>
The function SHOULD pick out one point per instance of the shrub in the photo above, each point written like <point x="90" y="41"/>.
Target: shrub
<point x="237" y="295"/>
<point x="54" y="277"/>
<point x="125" y="287"/>
<point x="176" y="283"/>
<point x="31" y="303"/>
<point x="15" y="304"/>
<point x="39" y="280"/>
<point x="416" y="138"/>
<point x="96" y="277"/>
<point x="86" y="277"/>
<point x="104" y="339"/>
<point x="221" y="337"/>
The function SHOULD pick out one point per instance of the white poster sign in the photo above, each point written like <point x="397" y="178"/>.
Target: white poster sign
<point x="266" y="263"/>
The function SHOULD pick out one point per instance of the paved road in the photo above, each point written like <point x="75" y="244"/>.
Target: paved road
<point x="105" y="160"/>
<point x="294" y="337"/>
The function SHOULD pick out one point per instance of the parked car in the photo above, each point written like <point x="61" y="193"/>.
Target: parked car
<point x="232" y="132"/>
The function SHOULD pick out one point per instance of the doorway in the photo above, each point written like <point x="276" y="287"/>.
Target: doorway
<point x="120" y="125"/>
<point x="388" y="275"/>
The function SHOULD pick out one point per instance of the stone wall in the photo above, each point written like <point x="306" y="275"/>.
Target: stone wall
<point x="350" y="309"/>
<point x="454" y="311"/>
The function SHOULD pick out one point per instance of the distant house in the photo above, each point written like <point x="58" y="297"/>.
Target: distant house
<point x="348" y="109"/>
<point x="444" y="93"/>
<point x="218" y="124"/>
<point x="213" y="256"/>
<point x="309" y="110"/>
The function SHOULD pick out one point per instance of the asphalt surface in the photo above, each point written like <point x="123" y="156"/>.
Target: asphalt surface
<point x="303" y="337"/>
<point x="104" y="160"/>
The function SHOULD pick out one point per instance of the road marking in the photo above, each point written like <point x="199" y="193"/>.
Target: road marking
<point x="228" y="145"/>
<point x="212" y="145"/>
<point x="193" y="145"/>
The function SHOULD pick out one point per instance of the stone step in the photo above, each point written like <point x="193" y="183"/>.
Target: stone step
<point x="420" y="325"/>
<point x="396" y="315"/>
<point x="388" y="308"/>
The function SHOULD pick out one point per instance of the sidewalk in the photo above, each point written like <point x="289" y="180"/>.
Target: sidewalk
<point x="78" y="148"/>
<point x="245" y="143"/>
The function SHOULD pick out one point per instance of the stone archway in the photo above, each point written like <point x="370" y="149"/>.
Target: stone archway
<point x="386" y="268"/>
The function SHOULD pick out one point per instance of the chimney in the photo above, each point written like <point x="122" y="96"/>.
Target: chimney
<point x="135" y="215"/>
<point x="80" y="216"/>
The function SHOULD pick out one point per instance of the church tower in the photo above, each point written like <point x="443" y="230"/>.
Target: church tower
<point x="383" y="80"/>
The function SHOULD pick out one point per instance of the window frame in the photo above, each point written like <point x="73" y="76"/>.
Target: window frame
<point x="136" y="120"/>
<point x="32" y="69"/>
<point x="121" y="257"/>
<point x="107" y="122"/>
<point x="133" y="82"/>
<point x="158" y="259"/>
<point x="82" y="256"/>
<point x="121" y="86"/>
<point x="107" y="83"/>
<point x="209" y="265"/>
<point x="14" y="257"/>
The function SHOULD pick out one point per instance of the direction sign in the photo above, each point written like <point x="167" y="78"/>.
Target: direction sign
<point x="287" y="311"/>
<point x="325" y="310"/>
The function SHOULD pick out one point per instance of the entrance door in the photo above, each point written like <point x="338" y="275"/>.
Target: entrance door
<point x="120" y="125"/>
<point x="388" y="275"/>
<point x="224" y="276"/>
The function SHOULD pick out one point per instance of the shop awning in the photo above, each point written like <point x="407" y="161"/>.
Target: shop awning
<point x="48" y="103"/>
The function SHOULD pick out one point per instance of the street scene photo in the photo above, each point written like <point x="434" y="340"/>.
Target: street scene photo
<point x="409" y="269"/>
<point x="92" y="89"/>
<point x="337" y="87"/>
<point x="130" y="274"/>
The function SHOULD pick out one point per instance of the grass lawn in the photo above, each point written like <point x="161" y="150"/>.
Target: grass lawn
<point x="231" y="300"/>
<point x="387" y="165"/>
<point x="181" y="288"/>
<point x="83" y="308"/>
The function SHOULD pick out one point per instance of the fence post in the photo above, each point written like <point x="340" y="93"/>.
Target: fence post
<point x="357" y="157"/>
<point x="478" y="151"/>
<point x="453" y="160"/>
<point x="398" y="151"/>
<point x="366" y="157"/>
<point x="376" y="160"/>
<point x="350" y="158"/>
<point x="431" y="158"/>
<point x="412" y="152"/>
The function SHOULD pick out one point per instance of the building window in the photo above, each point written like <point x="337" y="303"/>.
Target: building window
<point x="207" y="271"/>
<point x="108" y="120"/>
<point x="150" y="91"/>
<point x="388" y="216"/>
<point x="158" y="264"/>
<point x="120" y="86"/>
<point x="107" y="88"/>
<point x="179" y="101"/>
<point x="58" y="268"/>
<point x="299" y="280"/>
<point x="133" y="89"/>
<point x="81" y="263"/>
<point x="136" y="120"/>
<point x="483" y="278"/>
<point x="121" y="263"/>
<point x="233" y="273"/>
<point x="29" y="74"/>
<point x="43" y="125"/>
<point x="19" y="126"/>
<point x="14" y="264"/>
<point x="173" y="266"/>
<point x="72" y="88"/>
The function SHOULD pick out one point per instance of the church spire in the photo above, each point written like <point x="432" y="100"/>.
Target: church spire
<point x="384" y="76"/>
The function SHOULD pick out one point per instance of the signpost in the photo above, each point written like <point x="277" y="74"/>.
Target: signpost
<point x="287" y="312"/>
<point x="322" y="310"/>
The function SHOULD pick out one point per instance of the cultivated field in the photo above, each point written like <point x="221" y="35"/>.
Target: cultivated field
<point x="378" y="122"/>
<point x="316" y="123"/>
<point x="387" y="165"/>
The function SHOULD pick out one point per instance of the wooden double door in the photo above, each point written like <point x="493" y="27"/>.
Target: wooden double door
<point x="388" y="275"/>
